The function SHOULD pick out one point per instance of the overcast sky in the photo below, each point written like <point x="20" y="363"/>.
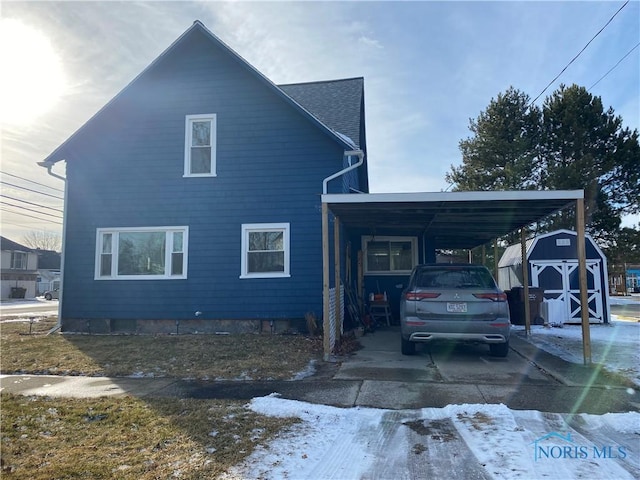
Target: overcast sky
<point x="428" y="68"/>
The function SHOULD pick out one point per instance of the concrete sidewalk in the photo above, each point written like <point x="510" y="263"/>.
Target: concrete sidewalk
<point x="551" y="384"/>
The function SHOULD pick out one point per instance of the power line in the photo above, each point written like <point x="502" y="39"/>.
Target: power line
<point x="579" y="53"/>
<point x="31" y="203"/>
<point x="5" y="222"/>
<point x="30" y="190"/>
<point x="3" y="208"/>
<point x="32" y="181"/>
<point x="612" y="68"/>
<point x="30" y="210"/>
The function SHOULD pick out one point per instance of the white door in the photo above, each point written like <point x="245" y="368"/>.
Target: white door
<point x="560" y="280"/>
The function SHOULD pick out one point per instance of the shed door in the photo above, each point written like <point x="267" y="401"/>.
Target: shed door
<point x="560" y="280"/>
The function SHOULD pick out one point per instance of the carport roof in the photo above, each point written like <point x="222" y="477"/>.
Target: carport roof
<point x="449" y="219"/>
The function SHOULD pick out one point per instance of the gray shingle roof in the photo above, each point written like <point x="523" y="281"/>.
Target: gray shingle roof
<point x="6" y="244"/>
<point x="338" y="104"/>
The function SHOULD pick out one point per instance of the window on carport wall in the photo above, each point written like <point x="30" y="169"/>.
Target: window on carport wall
<point x="389" y="255"/>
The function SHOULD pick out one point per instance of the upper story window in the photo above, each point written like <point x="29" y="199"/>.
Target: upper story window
<point x="389" y="255"/>
<point x="265" y="250"/>
<point x="200" y="146"/>
<point x="147" y="253"/>
<point x="18" y="260"/>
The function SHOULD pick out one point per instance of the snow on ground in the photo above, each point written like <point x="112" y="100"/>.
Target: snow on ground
<point x="464" y="441"/>
<point x="458" y="441"/>
<point x="615" y="345"/>
<point x="20" y="308"/>
<point x="27" y="302"/>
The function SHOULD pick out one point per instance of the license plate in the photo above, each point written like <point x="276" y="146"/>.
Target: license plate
<point x="460" y="307"/>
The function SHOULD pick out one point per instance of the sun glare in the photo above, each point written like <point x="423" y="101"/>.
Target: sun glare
<point x="32" y="77"/>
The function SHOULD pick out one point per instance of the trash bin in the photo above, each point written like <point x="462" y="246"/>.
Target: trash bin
<point x="515" y="297"/>
<point x="18" y="292"/>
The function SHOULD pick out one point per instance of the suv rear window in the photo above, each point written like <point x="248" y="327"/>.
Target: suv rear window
<point x="453" y="277"/>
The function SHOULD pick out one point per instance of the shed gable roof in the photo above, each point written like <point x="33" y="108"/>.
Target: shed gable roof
<point x="304" y="94"/>
<point x="512" y="255"/>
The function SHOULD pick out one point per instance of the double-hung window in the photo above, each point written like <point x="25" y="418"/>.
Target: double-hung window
<point x="18" y="260"/>
<point x="265" y="250"/>
<point x="148" y="253"/>
<point x="389" y="255"/>
<point x="200" y="146"/>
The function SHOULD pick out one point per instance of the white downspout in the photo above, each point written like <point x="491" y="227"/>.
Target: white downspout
<point x="347" y="153"/>
<point x="49" y="166"/>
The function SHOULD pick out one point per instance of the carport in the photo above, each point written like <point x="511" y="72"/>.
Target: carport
<point x="443" y="220"/>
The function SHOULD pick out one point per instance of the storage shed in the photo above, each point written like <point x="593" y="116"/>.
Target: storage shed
<point x="552" y="261"/>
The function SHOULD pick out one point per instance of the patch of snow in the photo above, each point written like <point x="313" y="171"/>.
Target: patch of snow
<point x="309" y="371"/>
<point x="458" y="441"/>
<point x="631" y="300"/>
<point x="615" y="345"/>
<point x="346" y="139"/>
<point x="141" y="374"/>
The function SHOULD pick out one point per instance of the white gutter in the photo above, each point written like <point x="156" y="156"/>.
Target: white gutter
<point x="49" y="166"/>
<point x="347" y="153"/>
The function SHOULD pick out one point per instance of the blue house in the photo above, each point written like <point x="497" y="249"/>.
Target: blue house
<point x="193" y="198"/>
<point x="203" y="198"/>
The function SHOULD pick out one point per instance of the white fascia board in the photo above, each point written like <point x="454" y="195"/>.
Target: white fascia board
<point x="409" y="197"/>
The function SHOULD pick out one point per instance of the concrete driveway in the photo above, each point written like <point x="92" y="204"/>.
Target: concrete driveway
<point x="380" y="359"/>
<point x="446" y="374"/>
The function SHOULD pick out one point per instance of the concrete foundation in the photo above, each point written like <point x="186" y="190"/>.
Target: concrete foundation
<point x="180" y="327"/>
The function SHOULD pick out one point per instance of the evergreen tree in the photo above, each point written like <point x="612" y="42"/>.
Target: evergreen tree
<point x="571" y="143"/>
<point x="501" y="155"/>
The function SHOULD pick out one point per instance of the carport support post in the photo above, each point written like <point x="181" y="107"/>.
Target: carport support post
<point x="326" y="324"/>
<point x="525" y="281"/>
<point x="582" y="271"/>
<point x="336" y="269"/>
<point x="495" y="261"/>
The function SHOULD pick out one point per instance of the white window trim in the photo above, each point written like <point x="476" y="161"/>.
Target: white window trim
<point x="187" y="144"/>
<point x="264" y="227"/>
<point x="23" y="256"/>
<point x="168" y="252"/>
<point x="414" y="252"/>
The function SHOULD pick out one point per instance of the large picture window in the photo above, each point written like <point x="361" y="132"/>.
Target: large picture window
<point x="265" y="250"/>
<point x="200" y="146"/>
<point x="389" y="255"/>
<point x="148" y="253"/>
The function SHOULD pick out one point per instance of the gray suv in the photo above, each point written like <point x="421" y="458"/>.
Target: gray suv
<point x="454" y="302"/>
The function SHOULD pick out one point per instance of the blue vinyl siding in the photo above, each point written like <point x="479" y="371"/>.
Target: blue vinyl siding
<point x="127" y="171"/>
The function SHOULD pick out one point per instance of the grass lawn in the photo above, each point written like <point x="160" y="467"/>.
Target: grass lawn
<point x="229" y="357"/>
<point x="130" y="438"/>
<point x="127" y="438"/>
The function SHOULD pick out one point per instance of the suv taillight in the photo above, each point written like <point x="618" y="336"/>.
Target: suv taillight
<point x="494" y="297"/>
<point x="417" y="296"/>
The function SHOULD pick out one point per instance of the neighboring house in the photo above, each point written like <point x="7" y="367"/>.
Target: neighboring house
<point x="624" y="279"/>
<point x="632" y="273"/>
<point x="19" y="270"/>
<point x="193" y="198"/>
<point x="48" y="270"/>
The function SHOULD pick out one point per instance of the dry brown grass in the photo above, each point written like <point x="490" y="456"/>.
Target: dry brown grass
<point x="247" y="356"/>
<point x="127" y="438"/>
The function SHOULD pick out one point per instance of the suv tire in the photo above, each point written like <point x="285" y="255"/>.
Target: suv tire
<point x="499" y="349"/>
<point x="407" y="347"/>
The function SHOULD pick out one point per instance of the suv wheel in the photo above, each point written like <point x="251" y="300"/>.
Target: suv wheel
<point x="499" y="349"/>
<point x="408" y="348"/>
<point x="48" y="296"/>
